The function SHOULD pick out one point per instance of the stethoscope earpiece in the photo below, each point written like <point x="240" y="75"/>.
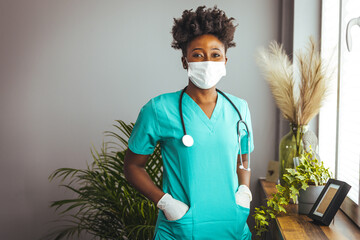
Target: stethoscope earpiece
<point x="243" y="168"/>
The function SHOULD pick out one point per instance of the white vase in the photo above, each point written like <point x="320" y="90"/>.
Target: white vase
<point x="308" y="197"/>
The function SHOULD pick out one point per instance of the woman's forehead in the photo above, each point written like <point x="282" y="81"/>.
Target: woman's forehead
<point x="206" y="41"/>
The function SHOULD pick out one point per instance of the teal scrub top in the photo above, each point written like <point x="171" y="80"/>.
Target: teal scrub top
<point x="204" y="175"/>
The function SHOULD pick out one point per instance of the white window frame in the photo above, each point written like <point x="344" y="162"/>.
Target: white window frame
<point x="329" y="114"/>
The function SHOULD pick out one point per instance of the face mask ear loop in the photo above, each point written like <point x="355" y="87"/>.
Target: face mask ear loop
<point x="187" y="64"/>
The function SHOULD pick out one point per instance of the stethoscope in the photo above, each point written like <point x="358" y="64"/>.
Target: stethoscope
<point x="188" y="141"/>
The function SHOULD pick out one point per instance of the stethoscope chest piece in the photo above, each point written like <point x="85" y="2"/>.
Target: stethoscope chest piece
<point x="187" y="140"/>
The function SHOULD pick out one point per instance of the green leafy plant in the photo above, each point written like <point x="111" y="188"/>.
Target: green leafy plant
<point x="310" y="171"/>
<point x="105" y="205"/>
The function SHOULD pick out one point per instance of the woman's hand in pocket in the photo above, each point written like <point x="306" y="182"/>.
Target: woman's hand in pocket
<point x="243" y="196"/>
<point x="172" y="208"/>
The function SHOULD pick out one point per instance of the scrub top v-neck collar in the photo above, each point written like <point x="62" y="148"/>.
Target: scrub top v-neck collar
<point x="209" y="122"/>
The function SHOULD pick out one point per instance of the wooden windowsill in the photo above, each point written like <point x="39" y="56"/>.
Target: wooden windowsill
<point x="295" y="226"/>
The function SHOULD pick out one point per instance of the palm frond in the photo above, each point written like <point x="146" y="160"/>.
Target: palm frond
<point x="106" y="206"/>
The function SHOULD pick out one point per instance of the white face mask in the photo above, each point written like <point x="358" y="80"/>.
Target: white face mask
<point x="206" y="74"/>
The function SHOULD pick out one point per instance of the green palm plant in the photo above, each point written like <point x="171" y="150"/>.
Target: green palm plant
<point x="106" y="206"/>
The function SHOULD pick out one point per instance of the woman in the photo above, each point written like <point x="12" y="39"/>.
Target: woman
<point x="205" y="195"/>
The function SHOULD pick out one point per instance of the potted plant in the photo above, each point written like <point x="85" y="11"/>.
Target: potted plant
<point x="105" y="206"/>
<point x="309" y="174"/>
<point x="299" y="101"/>
<point x="309" y="177"/>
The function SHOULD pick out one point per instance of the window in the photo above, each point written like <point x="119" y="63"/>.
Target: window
<point x="339" y="119"/>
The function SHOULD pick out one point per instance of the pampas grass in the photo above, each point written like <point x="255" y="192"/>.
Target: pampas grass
<point x="312" y="88"/>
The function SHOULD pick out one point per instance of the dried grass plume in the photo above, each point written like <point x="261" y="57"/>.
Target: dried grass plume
<point x="313" y="86"/>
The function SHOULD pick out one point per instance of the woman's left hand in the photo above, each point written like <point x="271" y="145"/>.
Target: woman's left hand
<point x="243" y="196"/>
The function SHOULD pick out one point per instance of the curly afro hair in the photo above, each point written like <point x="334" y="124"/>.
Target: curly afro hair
<point x="203" y="21"/>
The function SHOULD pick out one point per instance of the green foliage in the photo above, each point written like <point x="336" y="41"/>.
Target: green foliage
<point x="105" y="205"/>
<point x="309" y="171"/>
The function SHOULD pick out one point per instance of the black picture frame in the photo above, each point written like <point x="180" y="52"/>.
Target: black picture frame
<point x="329" y="201"/>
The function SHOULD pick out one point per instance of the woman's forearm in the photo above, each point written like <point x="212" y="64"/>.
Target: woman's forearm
<point x="136" y="175"/>
<point x="243" y="175"/>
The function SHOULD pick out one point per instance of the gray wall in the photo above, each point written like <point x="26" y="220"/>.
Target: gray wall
<point x="300" y="19"/>
<point x="69" y="68"/>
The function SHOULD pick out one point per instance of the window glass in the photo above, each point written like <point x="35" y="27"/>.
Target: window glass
<point x="339" y="121"/>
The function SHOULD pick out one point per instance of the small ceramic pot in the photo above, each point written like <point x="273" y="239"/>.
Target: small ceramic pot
<point x="308" y="197"/>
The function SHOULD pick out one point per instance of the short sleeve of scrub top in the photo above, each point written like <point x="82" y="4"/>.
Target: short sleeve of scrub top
<point x="146" y="132"/>
<point x="203" y="176"/>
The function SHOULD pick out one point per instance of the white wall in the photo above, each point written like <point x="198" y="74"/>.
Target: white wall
<point x="68" y="69"/>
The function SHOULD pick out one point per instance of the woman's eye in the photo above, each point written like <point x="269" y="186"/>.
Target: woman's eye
<point x="197" y="55"/>
<point x="216" y="55"/>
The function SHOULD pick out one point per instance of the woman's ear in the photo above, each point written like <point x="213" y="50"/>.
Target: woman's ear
<point x="184" y="63"/>
<point x="225" y="60"/>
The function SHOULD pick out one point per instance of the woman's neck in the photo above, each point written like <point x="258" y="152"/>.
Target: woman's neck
<point x="201" y="96"/>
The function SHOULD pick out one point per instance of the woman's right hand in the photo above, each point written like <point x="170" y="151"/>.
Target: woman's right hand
<point x="172" y="208"/>
<point x="135" y="173"/>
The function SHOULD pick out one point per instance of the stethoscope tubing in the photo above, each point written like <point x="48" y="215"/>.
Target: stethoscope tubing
<point x="241" y="121"/>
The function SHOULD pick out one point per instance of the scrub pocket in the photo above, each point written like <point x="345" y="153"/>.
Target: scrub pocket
<point x="242" y="216"/>
<point x="181" y="228"/>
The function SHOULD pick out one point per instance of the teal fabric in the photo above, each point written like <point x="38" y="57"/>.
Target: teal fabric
<point x="202" y="176"/>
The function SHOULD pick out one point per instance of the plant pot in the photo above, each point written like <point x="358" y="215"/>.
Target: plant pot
<point x="290" y="147"/>
<point x="308" y="197"/>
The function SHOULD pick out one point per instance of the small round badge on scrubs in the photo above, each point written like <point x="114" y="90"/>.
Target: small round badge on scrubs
<point x="188" y="140"/>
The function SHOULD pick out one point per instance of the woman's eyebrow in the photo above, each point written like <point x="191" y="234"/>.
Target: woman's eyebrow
<point x="202" y="49"/>
<point x="196" y="49"/>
